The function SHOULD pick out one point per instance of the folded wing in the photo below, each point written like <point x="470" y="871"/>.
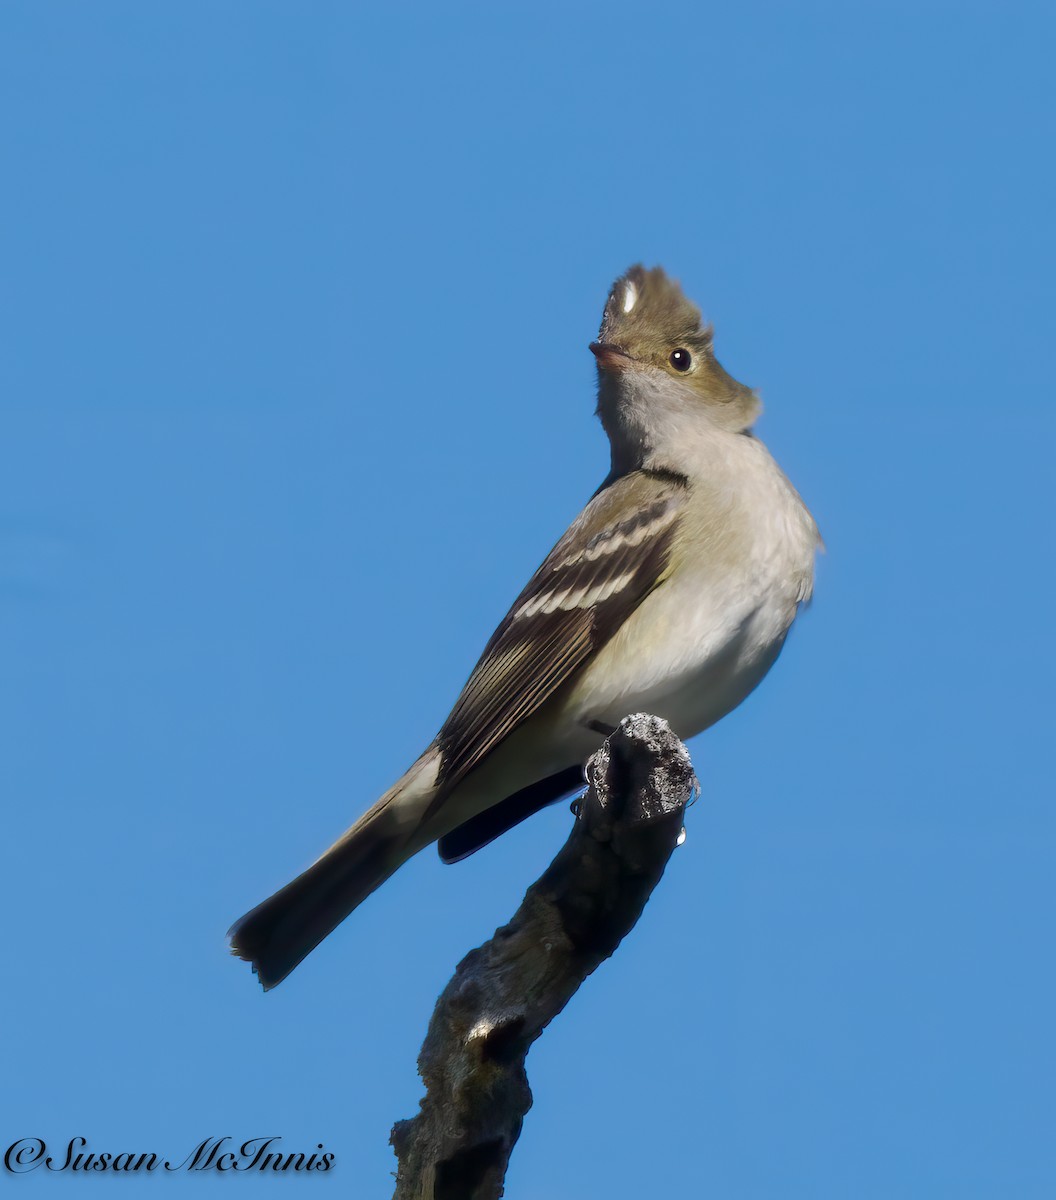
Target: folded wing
<point x="613" y="555"/>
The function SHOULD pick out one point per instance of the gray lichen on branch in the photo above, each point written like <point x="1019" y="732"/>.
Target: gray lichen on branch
<point x="505" y="993"/>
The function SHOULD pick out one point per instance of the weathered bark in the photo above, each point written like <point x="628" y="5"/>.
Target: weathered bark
<point x="504" y="994"/>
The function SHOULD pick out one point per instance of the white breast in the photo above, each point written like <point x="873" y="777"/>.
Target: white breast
<point x="702" y="641"/>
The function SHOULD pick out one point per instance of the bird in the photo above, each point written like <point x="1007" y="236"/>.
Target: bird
<point x="671" y="593"/>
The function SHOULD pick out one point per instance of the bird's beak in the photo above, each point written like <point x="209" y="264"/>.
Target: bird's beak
<point x="610" y="357"/>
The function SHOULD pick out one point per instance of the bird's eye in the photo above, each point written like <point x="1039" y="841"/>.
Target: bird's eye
<point x="681" y="359"/>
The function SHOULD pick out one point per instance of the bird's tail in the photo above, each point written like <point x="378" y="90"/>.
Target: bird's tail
<point x="277" y="934"/>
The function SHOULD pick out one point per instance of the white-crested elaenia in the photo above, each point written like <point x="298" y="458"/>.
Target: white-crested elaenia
<point x="671" y="593"/>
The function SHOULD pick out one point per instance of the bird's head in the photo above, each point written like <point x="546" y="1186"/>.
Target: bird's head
<point x="655" y="357"/>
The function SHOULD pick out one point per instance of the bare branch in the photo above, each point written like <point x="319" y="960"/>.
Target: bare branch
<point x="504" y="994"/>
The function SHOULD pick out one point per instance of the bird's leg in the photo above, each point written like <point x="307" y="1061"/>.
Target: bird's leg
<point x="601" y="727"/>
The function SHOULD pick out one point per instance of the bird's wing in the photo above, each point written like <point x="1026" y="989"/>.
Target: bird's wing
<point x="613" y="555"/>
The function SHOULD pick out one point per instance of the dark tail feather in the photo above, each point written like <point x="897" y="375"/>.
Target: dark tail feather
<point x="277" y="934"/>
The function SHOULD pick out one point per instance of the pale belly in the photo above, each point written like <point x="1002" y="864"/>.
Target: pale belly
<point x="689" y="654"/>
<point x="673" y="659"/>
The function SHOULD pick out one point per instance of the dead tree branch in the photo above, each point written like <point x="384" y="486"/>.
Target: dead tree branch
<point x="504" y="994"/>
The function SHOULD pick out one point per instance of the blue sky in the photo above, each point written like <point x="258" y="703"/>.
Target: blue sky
<point x="295" y="394"/>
